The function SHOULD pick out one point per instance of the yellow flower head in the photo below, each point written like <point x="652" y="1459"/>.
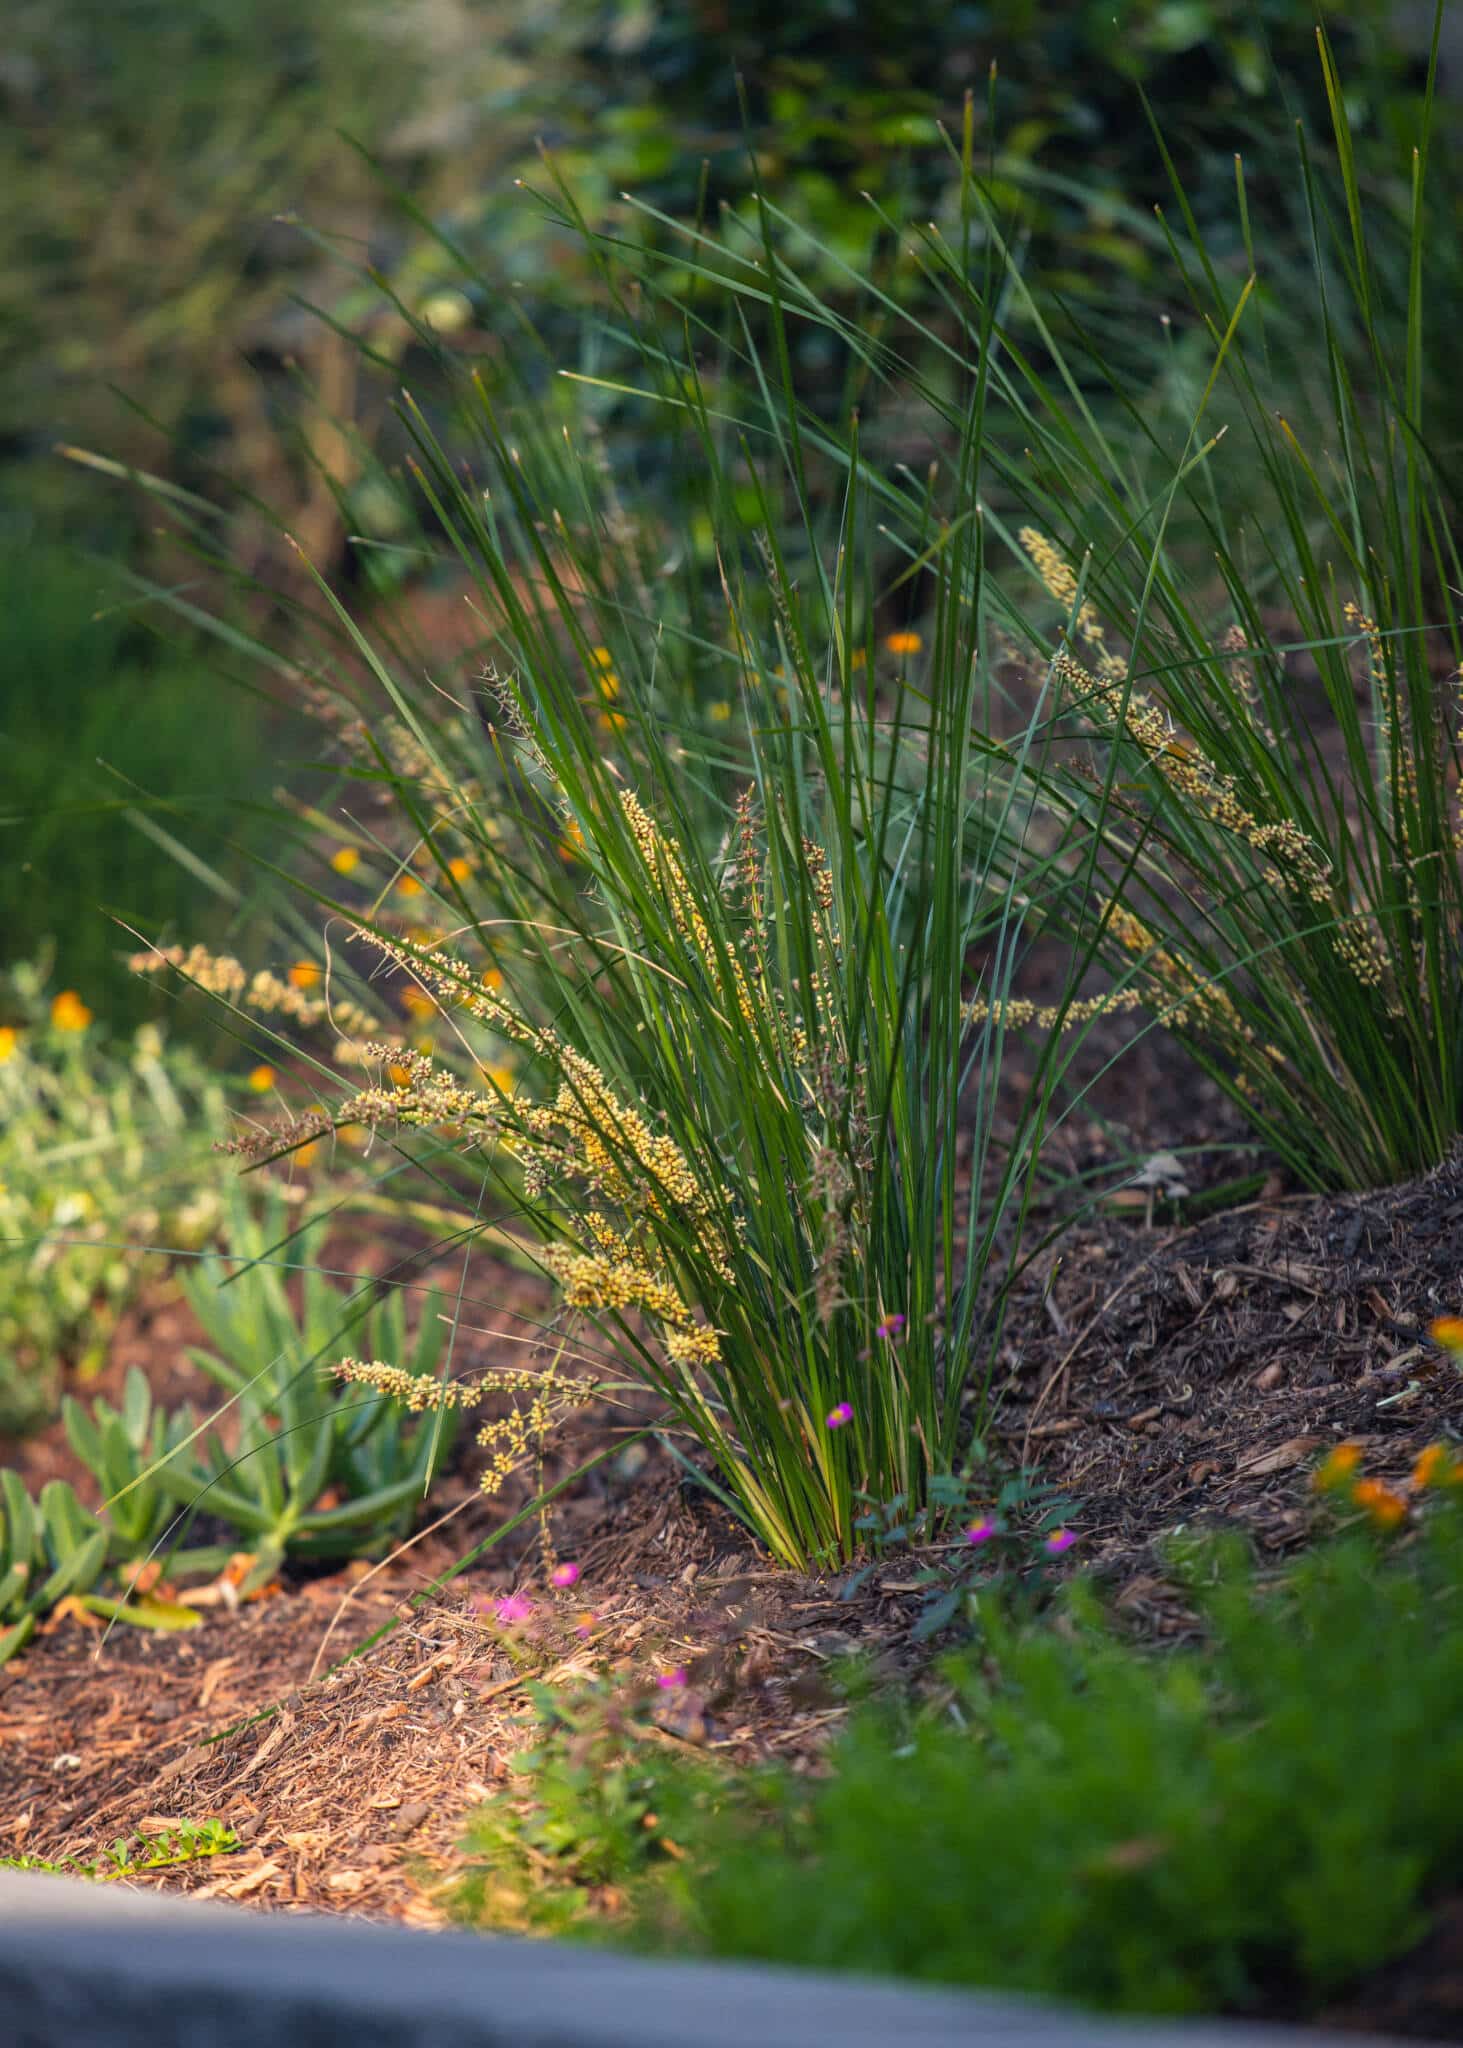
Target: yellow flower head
<point x="9" y="1043"/>
<point x="459" y="869"/>
<point x="262" y="1079"/>
<point x="601" y="657"/>
<point x="1337" y="1468"/>
<point x="719" y="712"/>
<point x="903" y="643"/>
<point x="69" y="1012"/>
<point x="399" y="1077"/>
<point x="345" y="860"/>
<point x="612" y="721"/>
<point x="306" y="1153"/>
<point x="492" y="977"/>
<point x="1436" y="1466"/>
<point x="304" y="974"/>
<point x="408" y="885"/>
<point x="502" y="1077"/>
<point x="1385" y="1507"/>
<point x="1447" y="1332"/>
<point x="609" y="685"/>
<point x="418" y="1002"/>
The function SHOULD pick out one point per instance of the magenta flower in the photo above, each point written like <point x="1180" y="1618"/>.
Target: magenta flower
<point x="981" y="1531"/>
<point x="836" y="1417"/>
<point x="513" y="1607"/>
<point x="890" y="1327"/>
<point x="668" y="1681"/>
<point x="1058" y="1541"/>
<point x="566" y="1575"/>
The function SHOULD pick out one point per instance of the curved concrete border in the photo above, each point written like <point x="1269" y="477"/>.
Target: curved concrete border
<point x="95" y="1964"/>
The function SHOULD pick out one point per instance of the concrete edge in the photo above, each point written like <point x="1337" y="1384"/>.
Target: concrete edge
<point x="122" y="1968"/>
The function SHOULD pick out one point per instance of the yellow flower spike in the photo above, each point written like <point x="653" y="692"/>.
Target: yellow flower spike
<point x="1384" y="1507"/>
<point x="1447" y="1333"/>
<point x="345" y="860"/>
<point x="408" y="885"/>
<point x="1337" y="1468"/>
<point x="262" y="1079"/>
<point x="69" y="1012"/>
<point x="9" y="1043"/>
<point x="304" y="974"/>
<point x="903" y="643"/>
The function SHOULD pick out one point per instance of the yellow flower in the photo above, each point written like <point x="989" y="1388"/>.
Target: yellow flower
<point x="306" y="1153"/>
<point x="261" y="1079"/>
<point x="612" y="721"/>
<point x="9" y="1043"/>
<point x="408" y="885"/>
<point x="1337" y="1467"/>
<point x="601" y="657"/>
<point x="1447" y="1331"/>
<point x="459" y="869"/>
<point x="1436" y="1466"/>
<point x="858" y="659"/>
<point x="492" y="977"/>
<point x="1385" y="1507"/>
<point x="572" y="841"/>
<point x="304" y="974"/>
<point x="345" y="860"/>
<point x="903" y="643"/>
<point x="400" y="1077"/>
<point x="69" y="1012"/>
<point x="418" y="1002"/>
<point x="502" y="1077"/>
<point x="609" y="685"/>
<point x="719" y="712"/>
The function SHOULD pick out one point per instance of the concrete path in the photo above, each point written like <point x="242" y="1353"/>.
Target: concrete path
<point x="98" y="1966"/>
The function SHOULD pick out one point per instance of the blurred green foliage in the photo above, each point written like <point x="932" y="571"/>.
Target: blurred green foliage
<point x="103" y="731"/>
<point x="1251" y="1822"/>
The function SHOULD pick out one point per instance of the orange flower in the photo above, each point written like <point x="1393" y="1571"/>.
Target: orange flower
<point x="9" y="1043"/>
<point x="345" y="860"/>
<point x="400" y="1077"/>
<point x="612" y="721"/>
<point x="1337" y="1467"/>
<point x="304" y="974"/>
<point x="418" y="1002"/>
<point x="503" y="1078"/>
<point x="69" y="1012"/>
<point x="306" y="1153"/>
<point x="492" y="977"/>
<point x="903" y="643"/>
<point x="1447" y="1331"/>
<point x="1385" y="1507"/>
<point x="261" y="1079"/>
<point x="408" y="885"/>
<point x="1436" y="1466"/>
<point x="459" y="869"/>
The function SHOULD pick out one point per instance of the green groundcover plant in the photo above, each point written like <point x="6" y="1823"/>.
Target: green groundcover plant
<point x="1250" y="1823"/>
<point x="105" y="1161"/>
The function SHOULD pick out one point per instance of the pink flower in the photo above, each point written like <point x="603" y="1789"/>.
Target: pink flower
<point x="566" y="1575"/>
<point x="1058" y="1541"/>
<point x="836" y="1417"/>
<point x="513" y="1607"/>
<point x="668" y="1681"/>
<point x="981" y="1531"/>
<point x="890" y="1327"/>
